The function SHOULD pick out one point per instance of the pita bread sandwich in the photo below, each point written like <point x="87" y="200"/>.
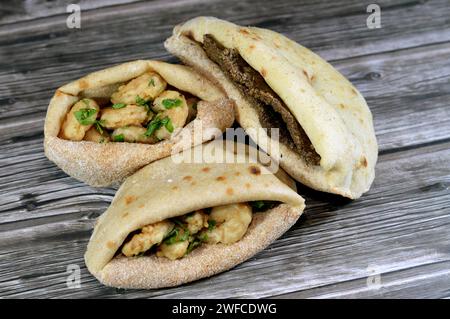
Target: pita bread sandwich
<point x="103" y="127"/>
<point x="171" y="223"/>
<point x="326" y="135"/>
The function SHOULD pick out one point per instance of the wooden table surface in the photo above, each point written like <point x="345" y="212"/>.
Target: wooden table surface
<point x="394" y="242"/>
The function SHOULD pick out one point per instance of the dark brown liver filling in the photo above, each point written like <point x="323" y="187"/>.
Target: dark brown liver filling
<point x="272" y="111"/>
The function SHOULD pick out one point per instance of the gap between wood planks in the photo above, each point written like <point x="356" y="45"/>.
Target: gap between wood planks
<point x="407" y="208"/>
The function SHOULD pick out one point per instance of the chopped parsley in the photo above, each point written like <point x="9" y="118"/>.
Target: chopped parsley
<point x="119" y="138"/>
<point x="140" y="101"/>
<point x="177" y="234"/>
<point x="157" y="123"/>
<point x="86" y="116"/>
<point x="167" y="124"/>
<point x="171" y="103"/>
<point x="211" y="224"/>
<point x="261" y="205"/>
<point x="119" y="105"/>
<point x="151" y="82"/>
<point x="99" y="125"/>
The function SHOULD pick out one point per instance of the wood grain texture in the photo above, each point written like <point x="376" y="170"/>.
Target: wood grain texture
<point x="12" y="11"/>
<point x="400" y="229"/>
<point x="402" y="223"/>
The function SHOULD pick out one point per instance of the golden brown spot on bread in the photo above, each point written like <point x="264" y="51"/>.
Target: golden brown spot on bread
<point x="248" y="185"/>
<point x="129" y="199"/>
<point x="206" y="169"/>
<point x="221" y="178"/>
<point x="83" y="84"/>
<point x="342" y="106"/>
<point x="313" y="78"/>
<point x="230" y="191"/>
<point x="251" y="47"/>
<point x="244" y="31"/>
<point x="193" y="183"/>
<point x="59" y="93"/>
<point x="305" y="73"/>
<point x="263" y="72"/>
<point x="187" y="178"/>
<point x="111" y="245"/>
<point x="175" y="188"/>
<point x="354" y="91"/>
<point x="255" y="170"/>
<point x="125" y="215"/>
<point x="141" y="206"/>
<point x="237" y="173"/>
<point x="364" y="161"/>
<point x="189" y="35"/>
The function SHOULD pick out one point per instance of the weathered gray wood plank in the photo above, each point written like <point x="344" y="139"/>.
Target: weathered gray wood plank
<point x="428" y="281"/>
<point x="400" y="228"/>
<point x="402" y="223"/>
<point x="408" y="92"/>
<point x="17" y="11"/>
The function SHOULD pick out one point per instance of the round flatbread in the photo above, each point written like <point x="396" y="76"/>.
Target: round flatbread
<point x="168" y="188"/>
<point x="329" y="142"/>
<point x="107" y="164"/>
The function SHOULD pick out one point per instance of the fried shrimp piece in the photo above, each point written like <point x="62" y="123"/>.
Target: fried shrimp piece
<point x="231" y="221"/>
<point x="145" y="87"/>
<point x="195" y="221"/>
<point x="133" y="134"/>
<point x="79" y="120"/>
<point x="150" y="235"/>
<point x="173" y="251"/>
<point x="172" y="105"/>
<point x="94" y="135"/>
<point x="129" y="115"/>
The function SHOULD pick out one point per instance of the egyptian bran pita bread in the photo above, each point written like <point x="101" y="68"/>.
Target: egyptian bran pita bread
<point x="331" y="111"/>
<point x="166" y="189"/>
<point x="106" y="164"/>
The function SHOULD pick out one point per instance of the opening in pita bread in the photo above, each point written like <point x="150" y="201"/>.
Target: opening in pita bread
<point x="271" y="110"/>
<point x="175" y="238"/>
<point x="145" y="109"/>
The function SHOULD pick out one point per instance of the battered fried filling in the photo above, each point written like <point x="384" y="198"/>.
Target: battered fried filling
<point x="143" y="110"/>
<point x="175" y="238"/>
<point x="272" y="111"/>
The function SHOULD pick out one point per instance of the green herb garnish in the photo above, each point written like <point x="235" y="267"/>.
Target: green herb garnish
<point x="171" y="103"/>
<point x="99" y="125"/>
<point x="119" y="105"/>
<point x="157" y="123"/>
<point x="196" y="242"/>
<point x="119" y="138"/>
<point x="211" y="224"/>
<point x="176" y="236"/>
<point x="140" y="101"/>
<point x="86" y="116"/>
<point x="151" y="82"/>
<point x="261" y="205"/>
<point x="167" y="124"/>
